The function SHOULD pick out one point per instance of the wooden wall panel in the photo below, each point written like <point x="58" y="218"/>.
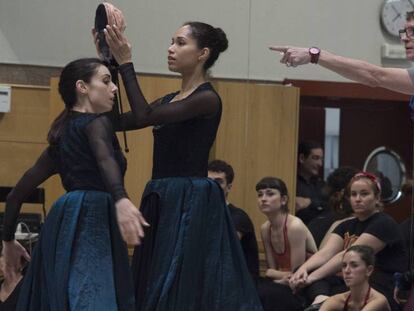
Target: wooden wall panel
<point x="231" y="143"/>
<point x="272" y="130"/>
<point x="258" y="137"/>
<point x="28" y="119"/>
<point x="16" y="158"/>
<point x="23" y="133"/>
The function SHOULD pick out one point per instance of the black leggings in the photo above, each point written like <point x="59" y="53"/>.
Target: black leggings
<point x="277" y="296"/>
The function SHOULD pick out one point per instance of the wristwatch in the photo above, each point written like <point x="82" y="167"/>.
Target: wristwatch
<point x="314" y="53"/>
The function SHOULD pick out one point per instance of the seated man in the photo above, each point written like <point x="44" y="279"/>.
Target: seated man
<point x="223" y="174"/>
<point x="310" y="202"/>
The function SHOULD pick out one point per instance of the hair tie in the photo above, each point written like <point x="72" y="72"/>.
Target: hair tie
<point x="370" y="176"/>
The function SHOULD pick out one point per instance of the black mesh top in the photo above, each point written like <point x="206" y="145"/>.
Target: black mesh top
<point x="87" y="157"/>
<point x="184" y="130"/>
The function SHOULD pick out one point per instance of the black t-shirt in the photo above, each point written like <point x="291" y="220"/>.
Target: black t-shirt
<point x="244" y="225"/>
<point x="311" y="189"/>
<point x="393" y="257"/>
<point x="11" y="302"/>
<point x="320" y="225"/>
<point x="405" y="227"/>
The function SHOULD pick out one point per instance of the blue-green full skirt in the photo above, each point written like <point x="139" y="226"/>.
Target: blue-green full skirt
<point x="80" y="261"/>
<point x="190" y="258"/>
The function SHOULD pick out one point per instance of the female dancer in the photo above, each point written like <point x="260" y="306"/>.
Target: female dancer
<point x="357" y="266"/>
<point x="81" y="260"/>
<point x="286" y="239"/>
<point x="369" y="227"/>
<point x="191" y="258"/>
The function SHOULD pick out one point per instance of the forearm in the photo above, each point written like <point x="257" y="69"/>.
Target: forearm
<point x="139" y="106"/>
<point x="329" y="268"/>
<point x="353" y="69"/>
<point x="32" y="178"/>
<point x="277" y="274"/>
<point x="10" y="219"/>
<point x="113" y="181"/>
<point x="395" y="79"/>
<point x="314" y="262"/>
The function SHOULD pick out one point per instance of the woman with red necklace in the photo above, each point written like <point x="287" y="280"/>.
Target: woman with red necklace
<point x="357" y="266"/>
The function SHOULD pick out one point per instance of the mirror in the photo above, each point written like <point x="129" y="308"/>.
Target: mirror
<point x="388" y="166"/>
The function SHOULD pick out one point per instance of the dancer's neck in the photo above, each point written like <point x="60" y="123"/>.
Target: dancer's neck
<point x="359" y="294"/>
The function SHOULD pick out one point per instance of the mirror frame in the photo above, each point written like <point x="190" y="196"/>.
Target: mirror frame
<point x="401" y="165"/>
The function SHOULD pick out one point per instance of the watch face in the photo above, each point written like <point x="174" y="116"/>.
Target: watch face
<point x="393" y="15"/>
<point x="314" y="50"/>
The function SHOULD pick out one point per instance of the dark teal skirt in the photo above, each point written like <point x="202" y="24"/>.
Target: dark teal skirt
<point x="190" y="258"/>
<point x="80" y="261"/>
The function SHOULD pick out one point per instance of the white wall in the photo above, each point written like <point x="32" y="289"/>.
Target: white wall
<point x="53" y="32"/>
<point x="6" y="53"/>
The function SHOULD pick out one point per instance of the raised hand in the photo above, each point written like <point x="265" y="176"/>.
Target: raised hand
<point x="292" y="56"/>
<point x="118" y="44"/>
<point x="130" y="221"/>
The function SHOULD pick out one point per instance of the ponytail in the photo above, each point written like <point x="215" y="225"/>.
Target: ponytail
<point x="57" y="127"/>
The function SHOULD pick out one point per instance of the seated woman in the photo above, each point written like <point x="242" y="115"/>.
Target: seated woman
<point x="10" y="285"/>
<point x="286" y="239"/>
<point x="287" y="242"/>
<point x="369" y="227"/>
<point x="357" y="266"/>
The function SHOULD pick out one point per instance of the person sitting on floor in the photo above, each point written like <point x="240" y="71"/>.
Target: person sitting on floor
<point x="10" y="285"/>
<point x="223" y="174"/>
<point x="357" y="266"/>
<point x="287" y="244"/>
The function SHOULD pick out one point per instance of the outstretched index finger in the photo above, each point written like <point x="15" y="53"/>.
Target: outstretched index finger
<point x="277" y="48"/>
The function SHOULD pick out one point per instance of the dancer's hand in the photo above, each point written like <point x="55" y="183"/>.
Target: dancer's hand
<point x="397" y="298"/>
<point x="13" y="253"/>
<point x="299" y="278"/>
<point x="118" y="44"/>
<point x="292" y="56"/>
<point x="284" y="280"/>
<point x="130" y="221"/>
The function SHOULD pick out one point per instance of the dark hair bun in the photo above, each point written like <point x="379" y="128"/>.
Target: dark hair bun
<point x="207" y="36"/>
<point x="222" y="42"/>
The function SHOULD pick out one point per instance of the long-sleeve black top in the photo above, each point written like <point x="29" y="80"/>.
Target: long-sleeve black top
<point x="184" y="130"/>
<point x="87" y="157"/>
